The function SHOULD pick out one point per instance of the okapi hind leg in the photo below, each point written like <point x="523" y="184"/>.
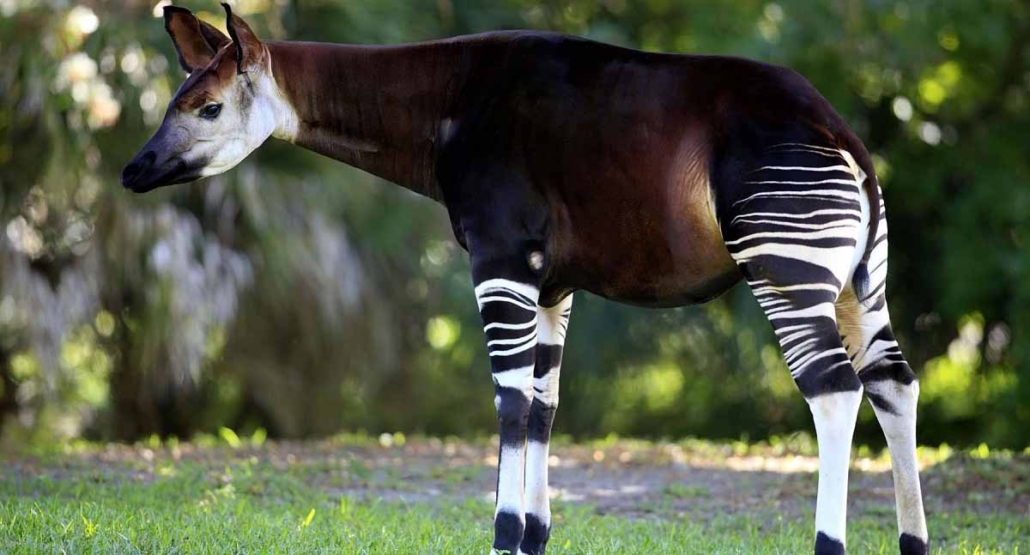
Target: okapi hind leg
<point x="552" y="324"/>
<point x="792" y="224"/>
<point x="802" y="318"/>
<point x="892" y="389"/>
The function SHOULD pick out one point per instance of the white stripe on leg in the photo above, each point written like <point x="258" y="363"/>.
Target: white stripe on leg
<point x="537" y="501"/>
<point x="510" y="480"/>
<point x="516" y="378"/>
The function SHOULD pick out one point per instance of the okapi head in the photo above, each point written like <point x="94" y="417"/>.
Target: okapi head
<point x="224" y="110"/>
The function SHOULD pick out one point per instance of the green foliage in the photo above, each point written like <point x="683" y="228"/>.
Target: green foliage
<point x="302" y="297"/>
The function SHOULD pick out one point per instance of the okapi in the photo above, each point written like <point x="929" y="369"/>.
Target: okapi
<point x="564" y="164"/>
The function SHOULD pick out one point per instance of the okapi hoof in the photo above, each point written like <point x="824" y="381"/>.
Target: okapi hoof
<point x="911" y="545"/>
<point x="825" y="545"/>
<point x="535" y="538"/>
<point x="508" y="530"/>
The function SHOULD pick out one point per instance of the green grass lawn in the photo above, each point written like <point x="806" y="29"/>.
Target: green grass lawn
<point x="314" y="498"/>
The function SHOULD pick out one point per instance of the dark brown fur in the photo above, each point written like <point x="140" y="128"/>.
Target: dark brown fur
<point x="622" y="147"/>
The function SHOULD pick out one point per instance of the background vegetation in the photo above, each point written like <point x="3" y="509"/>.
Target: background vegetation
<point x="302" y="297"/>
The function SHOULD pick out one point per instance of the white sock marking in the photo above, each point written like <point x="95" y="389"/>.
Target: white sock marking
<point x="834" y="415"/>
<point x="537" y="500"/>
<point x="900" y="431"/>
<point x="511" y="473"/>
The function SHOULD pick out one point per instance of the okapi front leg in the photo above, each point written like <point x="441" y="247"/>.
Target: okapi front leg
<point x="509" y="312"/>
<point x="552" y="324"/>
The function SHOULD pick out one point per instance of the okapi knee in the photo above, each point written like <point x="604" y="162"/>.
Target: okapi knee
<point x="541" y="418"/>
<point x="512" y="415"/>
<point x="888" y="383"/>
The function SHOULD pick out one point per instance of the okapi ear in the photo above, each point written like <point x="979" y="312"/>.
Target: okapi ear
<point x="213" y="36"/>
<point x="187" y="32"/>
<point x="249" y="50"/>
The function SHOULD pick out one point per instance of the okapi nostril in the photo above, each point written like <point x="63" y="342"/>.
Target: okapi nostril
<point x="137" y="167"/>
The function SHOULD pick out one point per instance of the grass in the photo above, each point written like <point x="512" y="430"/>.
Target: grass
<point x="299" y="498"/>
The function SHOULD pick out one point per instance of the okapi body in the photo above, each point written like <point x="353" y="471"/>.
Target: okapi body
<point x="565" y="164"/>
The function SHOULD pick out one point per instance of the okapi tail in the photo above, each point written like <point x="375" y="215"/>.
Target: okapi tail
<point x="854" y="146"/>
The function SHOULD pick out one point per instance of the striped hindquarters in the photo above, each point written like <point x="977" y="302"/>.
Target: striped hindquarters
<point x="796" y="231"/>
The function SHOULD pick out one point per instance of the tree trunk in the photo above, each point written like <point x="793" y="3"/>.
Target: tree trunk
<point x="9" y="395"/>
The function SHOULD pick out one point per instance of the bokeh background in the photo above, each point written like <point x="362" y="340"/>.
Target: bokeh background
<point x="300" y="297"/>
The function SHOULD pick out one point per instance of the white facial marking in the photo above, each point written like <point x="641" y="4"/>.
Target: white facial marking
<point x="243" y="130"/>
<point x="253" y="108"/>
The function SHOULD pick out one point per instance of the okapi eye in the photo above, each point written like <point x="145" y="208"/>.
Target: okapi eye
<point x="210" y="111"/>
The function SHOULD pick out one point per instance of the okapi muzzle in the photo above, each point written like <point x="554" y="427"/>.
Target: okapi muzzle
<point x="164" y="160"/>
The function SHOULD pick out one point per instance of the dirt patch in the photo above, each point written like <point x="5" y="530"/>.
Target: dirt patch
<point x="633" y="479"/>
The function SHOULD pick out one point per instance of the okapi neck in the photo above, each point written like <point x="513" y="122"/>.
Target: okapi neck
<point x="377" y="108"/>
